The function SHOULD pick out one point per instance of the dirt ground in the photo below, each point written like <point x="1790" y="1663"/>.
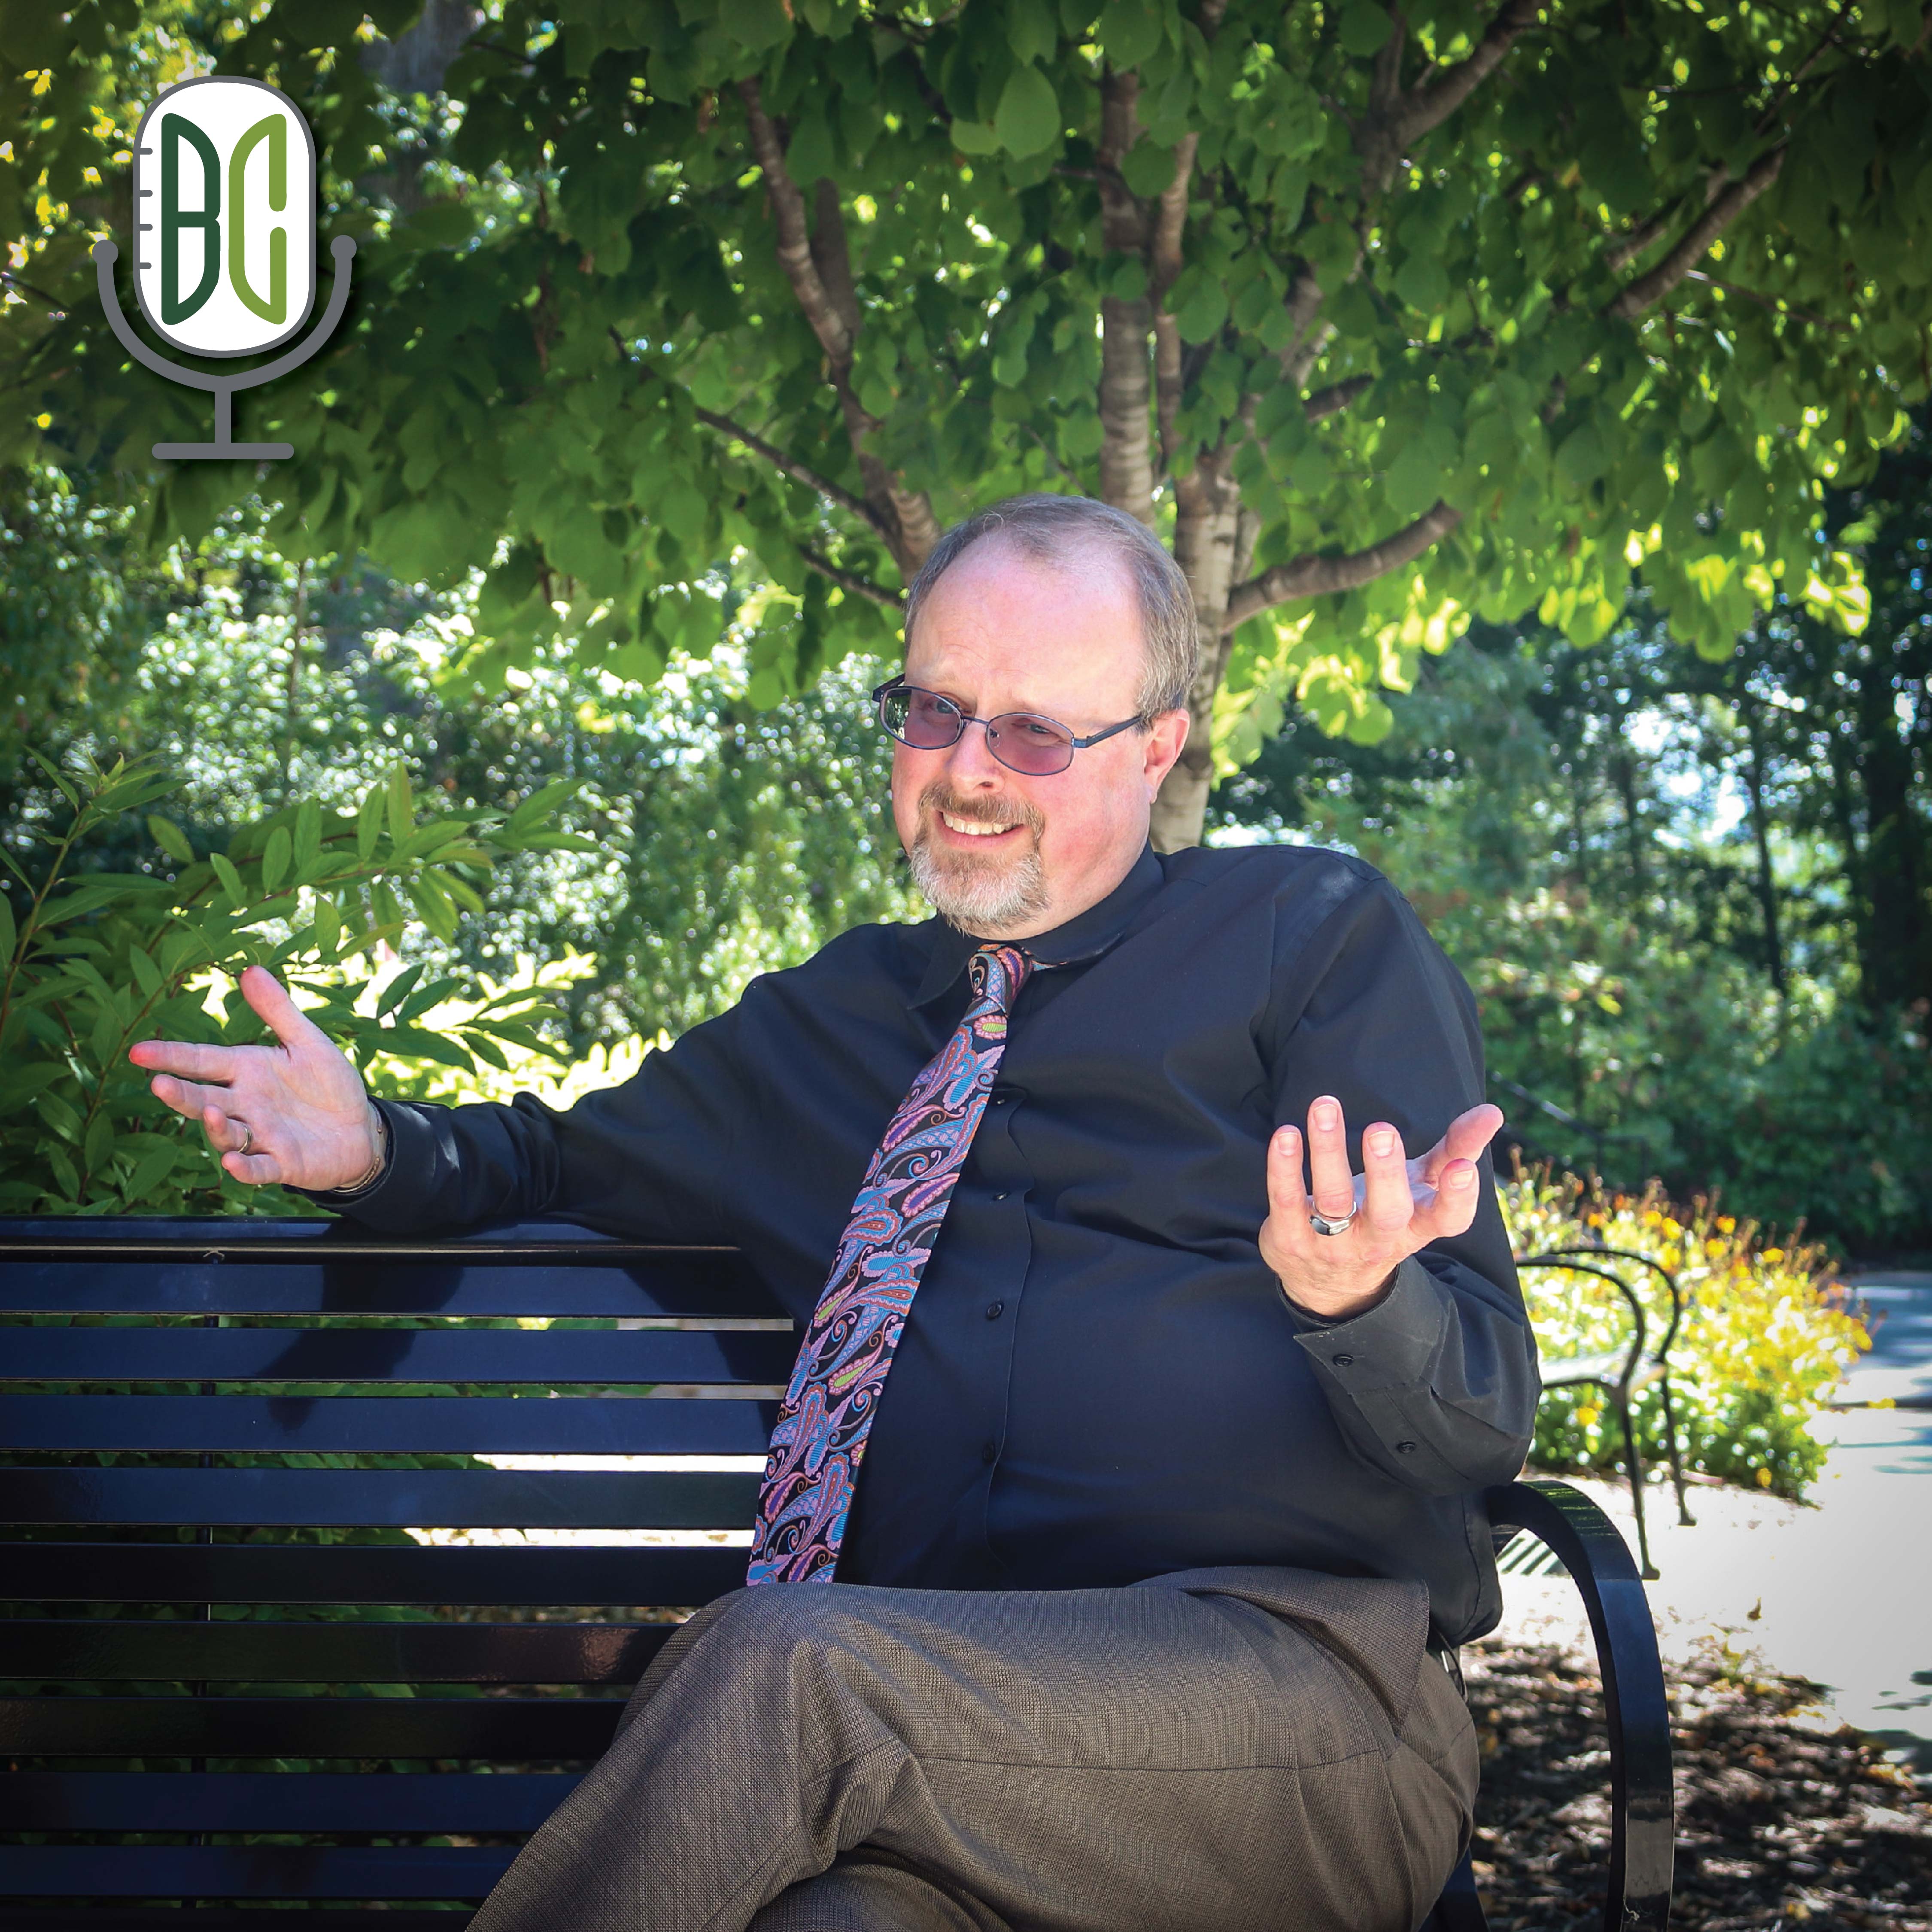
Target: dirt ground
<point x="1779" y="1823"/>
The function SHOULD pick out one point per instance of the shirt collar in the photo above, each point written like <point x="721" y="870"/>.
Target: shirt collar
<point x="1085" y="936"/>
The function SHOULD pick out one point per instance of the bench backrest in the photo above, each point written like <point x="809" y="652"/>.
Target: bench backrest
<point x="226" y="1627"/>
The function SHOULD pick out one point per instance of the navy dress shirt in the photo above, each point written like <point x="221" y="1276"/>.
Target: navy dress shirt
<point x="1100" y="1380"/>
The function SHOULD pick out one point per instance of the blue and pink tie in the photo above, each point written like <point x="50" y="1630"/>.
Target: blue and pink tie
<point x="819" y="1439"/>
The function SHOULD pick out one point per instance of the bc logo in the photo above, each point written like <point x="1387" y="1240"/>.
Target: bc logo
<point x="224" y="233"/>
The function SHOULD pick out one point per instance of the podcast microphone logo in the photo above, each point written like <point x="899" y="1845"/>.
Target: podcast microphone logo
<point x="225" y="231"/>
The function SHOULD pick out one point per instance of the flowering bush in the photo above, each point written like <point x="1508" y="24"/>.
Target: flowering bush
<point x="1766" y="1333"/>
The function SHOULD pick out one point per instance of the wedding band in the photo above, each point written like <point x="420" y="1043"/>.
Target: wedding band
<point x="1322" y="1225"/>
<point x="248" y="1137"/>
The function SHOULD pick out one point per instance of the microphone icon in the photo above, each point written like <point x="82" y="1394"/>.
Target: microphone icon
<point x="201" y="279"/>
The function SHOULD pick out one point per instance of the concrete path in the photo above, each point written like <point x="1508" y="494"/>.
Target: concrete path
<point x="1838" y="1589"/>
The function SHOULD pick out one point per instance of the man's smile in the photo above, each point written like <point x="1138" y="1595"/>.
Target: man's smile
<point x="976" y="828"/>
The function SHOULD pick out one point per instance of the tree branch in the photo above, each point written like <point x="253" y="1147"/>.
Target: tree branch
<point x="850" y="581"/>
<point x="1649" y="289"/>
<point x="1127" y="455"/>
<point x="1396" y="121"/>
<point x="830" y="306"/>
<point x="1334" y="399"/>
<point x="799" y="472"/>
<point x="1320" y="576"/>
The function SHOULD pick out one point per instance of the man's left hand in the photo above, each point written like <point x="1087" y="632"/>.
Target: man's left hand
<point x="1399" y="1205"/>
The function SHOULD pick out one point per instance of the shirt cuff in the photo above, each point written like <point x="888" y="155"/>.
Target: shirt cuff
<point x="1392" y="1343"/>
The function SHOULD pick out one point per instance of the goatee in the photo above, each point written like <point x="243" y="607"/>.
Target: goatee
<point x="981" y="895"/>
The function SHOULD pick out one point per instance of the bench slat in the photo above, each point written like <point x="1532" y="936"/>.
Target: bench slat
<point x="475" y="1425"/>
<point x="462" y="1499"/>
<point x="185" y="1801"/>
<point x="676" y="1283"/>
<point x="598" y="1356"/>
<point x="232" y="1652"/>
<point x="251" y="1871"/>
<point x="280" y="1727"/>
<point x="235" y="1573"/>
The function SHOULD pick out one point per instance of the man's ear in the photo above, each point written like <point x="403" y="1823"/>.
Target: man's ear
<point x="1166" y="738"/>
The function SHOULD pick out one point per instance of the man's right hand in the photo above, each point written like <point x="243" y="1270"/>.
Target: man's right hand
<point x="299" y="1109"/>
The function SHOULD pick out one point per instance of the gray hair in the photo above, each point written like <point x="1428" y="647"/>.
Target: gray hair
<point x="1048" y="526"/>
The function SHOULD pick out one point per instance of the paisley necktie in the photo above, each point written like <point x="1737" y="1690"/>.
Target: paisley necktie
<point x="819" y="1439"/>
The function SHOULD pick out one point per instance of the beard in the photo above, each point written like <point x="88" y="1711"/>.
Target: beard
<point x="981" y="894"/>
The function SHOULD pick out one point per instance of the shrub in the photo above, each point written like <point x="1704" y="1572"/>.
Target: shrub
<point x="92" y="961"/>
<point x="1766" y="1334"/>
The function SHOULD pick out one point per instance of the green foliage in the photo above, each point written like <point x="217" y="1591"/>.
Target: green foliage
<point x="92" y="962"/>
<point x="1766" y="1338"/>
<point x="572" y="314"/>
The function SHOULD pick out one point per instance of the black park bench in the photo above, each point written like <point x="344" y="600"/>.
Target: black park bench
<point x="230" y="1676"/>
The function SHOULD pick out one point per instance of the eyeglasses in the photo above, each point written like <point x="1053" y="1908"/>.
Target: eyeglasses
<point x="1022" y="741"/>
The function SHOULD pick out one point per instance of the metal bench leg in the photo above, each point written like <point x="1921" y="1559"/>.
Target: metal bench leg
<point x="1635" y="1455"/>
<point x="1683" y="1516"/>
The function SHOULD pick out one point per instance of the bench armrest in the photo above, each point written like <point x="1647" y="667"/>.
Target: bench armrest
<point x="1643" y="1814"/>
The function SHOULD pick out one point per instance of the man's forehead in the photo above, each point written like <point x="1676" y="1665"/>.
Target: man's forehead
<point x="1060" y="622"/>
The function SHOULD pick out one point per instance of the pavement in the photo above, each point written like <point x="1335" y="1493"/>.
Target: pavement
<point x="1837" y="1589"/>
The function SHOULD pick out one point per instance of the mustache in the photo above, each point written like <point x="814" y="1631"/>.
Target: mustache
<point x="940" y="797"/>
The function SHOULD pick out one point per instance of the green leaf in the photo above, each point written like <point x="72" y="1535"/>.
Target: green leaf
<point x="369" y="822"/>
<point x="1202" y="305"/>
<point x="59" y="1116"/>
<point x="1422" y="282"/>
<point x="9" y="937"/>
<point x="1148" y="168"/>
<point x="275" y="857"/>
<point x="756" y="24"/>
<point x="1365" y="26"/>
<point x="326" y="927"/>
<point x="975" y="137"/>
<point x="231" y="880"/>
<point x="67" y="1177"/>
<point x="147" y="975"/>
<point x="149" y="1171"/>
<point x="308" y="837"/>
<point x="1028" y="119"/>
<point x="99" y="1151"/>
<point x="399" y="989"/>
<point x="401" y="802"/>
<point x="1129" y="31"/>
<point x="171" y="838"/>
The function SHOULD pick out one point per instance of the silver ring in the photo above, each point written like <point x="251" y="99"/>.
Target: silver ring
<point x="1322" y="1225"/>
<point x="248" y="1137"/>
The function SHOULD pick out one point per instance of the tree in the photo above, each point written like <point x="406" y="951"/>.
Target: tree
<point x="1383" y="314"/>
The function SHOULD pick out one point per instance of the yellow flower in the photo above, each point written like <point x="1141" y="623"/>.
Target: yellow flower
<point x="1727" y="1224"/>
<point x="1773" y="1255"/>
<point x="1764" y="1479"/>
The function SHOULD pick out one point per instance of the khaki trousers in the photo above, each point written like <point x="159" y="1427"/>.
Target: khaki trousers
<point x="1213" y="1751"/>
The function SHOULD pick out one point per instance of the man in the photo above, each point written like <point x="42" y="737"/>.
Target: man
<point x="1123" y="1511"/>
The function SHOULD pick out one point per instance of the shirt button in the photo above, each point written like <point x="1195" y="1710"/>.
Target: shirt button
<point x="994" y="1309"/>
<point x="987" y="1452"/>
<point x="1405" y="1448"/>
<point x="1001" y="1195"/>
<point x="1345" y="1361"/>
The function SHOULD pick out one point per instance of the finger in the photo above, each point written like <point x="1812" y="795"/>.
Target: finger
<point x="1387" y="1201"/>
<point x="256" y="1170"/>
<point x="184" y="1097"/>
<point x="1467" y="1135"/>
<point x="223" y="1130"/>
<point x="272" y="1004"/>
<point x="1334" y="1180"/>
<point x="186" y="1059"/>
<point x="1453" y="1206"/>
<point x="1288" y="1197"/>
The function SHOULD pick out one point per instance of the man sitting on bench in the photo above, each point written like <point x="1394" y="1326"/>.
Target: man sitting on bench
<point x="1141" y="1603"/>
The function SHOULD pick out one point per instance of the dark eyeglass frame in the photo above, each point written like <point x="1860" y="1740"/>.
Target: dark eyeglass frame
<point x="990" y="726"/>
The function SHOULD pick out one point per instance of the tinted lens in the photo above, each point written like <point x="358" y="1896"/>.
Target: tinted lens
<point x="921" y="719"/>
<point x="1025" y="742"/>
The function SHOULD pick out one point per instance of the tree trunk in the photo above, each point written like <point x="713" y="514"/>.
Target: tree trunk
<point x="1895" y="949"/>
<point x="1207" y="542"/>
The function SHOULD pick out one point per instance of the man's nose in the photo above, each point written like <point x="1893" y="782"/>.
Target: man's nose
<point x="971" y="761"/>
